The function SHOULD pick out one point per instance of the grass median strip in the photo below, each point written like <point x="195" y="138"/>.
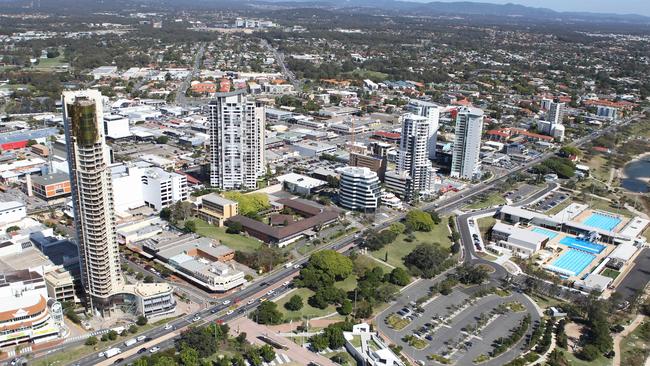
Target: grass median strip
<point x="397" y="322"/>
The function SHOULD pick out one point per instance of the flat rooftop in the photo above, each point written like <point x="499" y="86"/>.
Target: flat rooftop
<point x="53" y="178"/>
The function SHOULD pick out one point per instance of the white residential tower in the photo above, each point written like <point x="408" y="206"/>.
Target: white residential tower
<point x="467" y="143"/>
<point x="236" y="141"/>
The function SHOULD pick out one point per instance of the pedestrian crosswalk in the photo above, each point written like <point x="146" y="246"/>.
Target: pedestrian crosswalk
<point x="280" y="359"/>
<point x="23" y="350"/>
<point x="87" y="335"/>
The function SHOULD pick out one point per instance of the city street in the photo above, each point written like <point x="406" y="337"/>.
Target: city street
<point x="443" y="207"/>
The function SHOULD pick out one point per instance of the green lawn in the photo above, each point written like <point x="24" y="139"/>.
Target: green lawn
<point x="611" y="273"/>
<point x="603" y="205"/>
<point x="485" y="224"/>
<point x="486" y="256"/>
<point x="545" y="301"/>
<point x="598" y="168"/>
<point x="72" y="354"/>
<point x="574" y="361"/>
<point x="401" y="248"/>
<point x="234" y="241"/>
<point x="490" y="200"/>
<point x="367" y="74"/>
<point x="364" y="261"/>
<point x="349" y="360"/>
<point x="564" y="204"/>
<point x="634" y="349"/>
<point x="49" y="63"/>
<point x="307" y="310"/>
<point x="397" y="322"/>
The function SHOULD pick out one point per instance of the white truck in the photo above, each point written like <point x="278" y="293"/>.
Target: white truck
<point x="288" y="265"/>
<point x="130" y="342"/>
<point x="112" y="352"/>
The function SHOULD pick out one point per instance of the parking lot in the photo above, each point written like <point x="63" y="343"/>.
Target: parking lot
<point x="549" y="201"/>
<point x="521" y="192"/>
<point x="459" y="327"/>
<point x="31" y="203"/>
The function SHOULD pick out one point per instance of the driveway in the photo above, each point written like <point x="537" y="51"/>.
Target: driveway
<point x="484" y="305"/>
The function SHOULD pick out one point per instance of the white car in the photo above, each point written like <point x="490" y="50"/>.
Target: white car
<point x="229" y="312"/>
<point x="285" y="283"/>
<point x="154" y="349"/>
<point x="270" y="292"/>
<point x="250" y="302"/>
<point x="168" y="326"/>
<point x="100" y="354"/>
<point x="196" y="318"/>
<point x="296" y="266"/>
<point x="226" y="302"/>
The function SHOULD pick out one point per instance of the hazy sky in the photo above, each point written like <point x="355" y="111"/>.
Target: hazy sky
<point x="641" y="7"/>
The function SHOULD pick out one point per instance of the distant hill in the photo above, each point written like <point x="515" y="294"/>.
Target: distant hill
<point x="435" y="8"/>
<point x="462" y="8"/>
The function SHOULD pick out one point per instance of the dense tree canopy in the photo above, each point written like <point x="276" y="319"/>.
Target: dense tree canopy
<point x="418" y="220"/>
<point x="427" y="260"/>
<point x="332" y="262"/>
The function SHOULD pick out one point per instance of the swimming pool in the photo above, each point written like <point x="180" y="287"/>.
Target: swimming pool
<point x="584" y="245"/>
<point x="572" y="262"/>
<point x="549" y="233"/>
<point x="602" y="221"/>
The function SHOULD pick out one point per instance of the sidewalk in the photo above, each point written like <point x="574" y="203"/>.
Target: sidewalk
<point x="619" y="337"/>
<point x="293" y="351"/>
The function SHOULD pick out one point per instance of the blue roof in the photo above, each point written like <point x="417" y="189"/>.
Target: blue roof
<point x="23" y="135"/>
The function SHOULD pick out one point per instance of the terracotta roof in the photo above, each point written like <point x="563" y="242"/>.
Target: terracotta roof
<point x="302" y="205"/>
<point x="609" y="103"/>
<point x="514" y="132"/>
<point x="29" y="310"/>
<point x="388" y="135"/>
<point x="280" y="233"/>
<point x="498" y="133"/>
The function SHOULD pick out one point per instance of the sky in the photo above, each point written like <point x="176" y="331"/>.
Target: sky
<point x="641" y="7"/>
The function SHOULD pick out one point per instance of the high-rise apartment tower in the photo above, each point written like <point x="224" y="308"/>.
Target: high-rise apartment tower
<point x="92" y="195"/>
<point x="236" y="141"/>
<point x="465" y="161"/>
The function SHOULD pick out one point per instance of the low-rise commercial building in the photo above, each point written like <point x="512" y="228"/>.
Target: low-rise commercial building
<point x="520" y="242"/>
<point x="134" y="231"/>
<point x="301" y="184"/>
<point x="51" y="186"/>
<point x="216" y="209"/>
<point x="368" y="348"/>
<point x="313" y="148"/>
<point x="199" y="260"/>
<point x="12" y="211"/>
<point x="61" y="285"/>
<point x="24" y="312"/>
<point x="41" y="150"/>
<point x="153" y="300"/>
<point x="377" y="164"/>
<point x="116" y="126"/>
<point x="139" y="184"/>
<point x="315" y="216"/>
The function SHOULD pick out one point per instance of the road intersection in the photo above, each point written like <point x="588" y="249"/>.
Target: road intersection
<point x="160" y="336"/>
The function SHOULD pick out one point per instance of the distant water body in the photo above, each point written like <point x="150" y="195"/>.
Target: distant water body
<point x="634" y="173"/>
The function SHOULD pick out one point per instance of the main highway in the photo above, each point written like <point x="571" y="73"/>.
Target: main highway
<point x="248" y="298"/>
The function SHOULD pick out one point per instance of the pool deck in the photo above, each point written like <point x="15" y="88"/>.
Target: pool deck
<point x="584" y="215"/>
<point x="560" y="249"/>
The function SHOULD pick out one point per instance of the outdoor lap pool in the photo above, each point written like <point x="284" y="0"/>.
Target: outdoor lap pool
<point x="572" y="262"/>
<point x="583" y="245"/>
<point x="602" y="221"/>
<point x="549" y="233"/>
